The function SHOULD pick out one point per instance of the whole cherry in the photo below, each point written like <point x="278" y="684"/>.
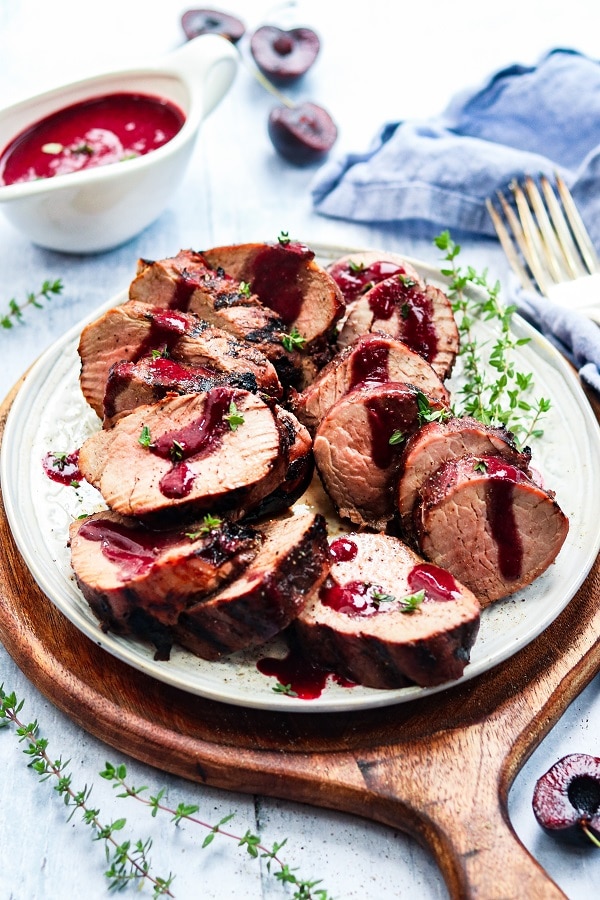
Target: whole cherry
<point x="566" y="800"/>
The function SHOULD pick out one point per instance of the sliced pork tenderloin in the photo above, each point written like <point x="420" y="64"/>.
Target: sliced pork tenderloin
<point x="488" y="523"/>
<point x="137" y="580"/>
<point x="132" y="384"/>
<point x="371" y="359"/>
<point x="286" y="278"/>
<point x="418" y="314"/>
<point x="356" y="273"/>
<point x="182" y="282"/>
<point x="133" y="331"/>
<point x="357" y="448"/>
<point x="220" y="451"/>
<point x="299" y="472"/>
<point x="185" y="282"/>
<point x="437" y="442"/>
<point x="386" y="619"/>
<point x="293" y="560"/>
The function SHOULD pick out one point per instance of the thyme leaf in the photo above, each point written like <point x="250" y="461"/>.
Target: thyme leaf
<point x="293" y="340"/>
<point x="15" y="309"/>
<point x="209" y="523"/>
<point x="145" y="439"/>
<point x="234" y="418"/>
<point x="494" y="391"/>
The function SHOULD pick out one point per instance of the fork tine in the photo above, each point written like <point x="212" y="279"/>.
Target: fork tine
<point x="531" y="245"/>
<point x="509" y="248"/>
<point x="553" y="252"/>
<point x="563" y="231"/>
<point x="582" y="237"/>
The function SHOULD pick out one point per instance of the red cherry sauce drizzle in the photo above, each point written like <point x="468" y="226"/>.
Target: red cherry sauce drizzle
<point x="197" y="439"/>
<point x="369" y="364"/>
<point x="501" y="516"/>
<point x="134" y="551"/>
<point x="276" y="278"/>
<point x="343" y="549"/>
<point x="415" y="313"/>
<point x="438" y="584"/>
<point x="62" y="468"/>
<point x="386" y="416"/>
<point x="353" y="280"/>
<point x="306" y="680"/>
<point x="166" y="328"/>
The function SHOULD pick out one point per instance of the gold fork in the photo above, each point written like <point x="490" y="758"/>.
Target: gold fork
<point x="547" y="244"/>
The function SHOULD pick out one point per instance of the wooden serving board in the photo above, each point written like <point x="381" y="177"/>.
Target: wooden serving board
<point x="439" y="768"/>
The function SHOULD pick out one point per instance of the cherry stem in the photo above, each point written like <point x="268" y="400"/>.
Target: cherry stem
<point x="262" y="79"/>
<point x="592" y="837"/>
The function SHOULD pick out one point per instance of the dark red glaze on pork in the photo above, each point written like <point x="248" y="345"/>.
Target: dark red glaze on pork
<point x="293" y="561"/>
<point x="489" y="524"/>
<point x="363" y="624"/>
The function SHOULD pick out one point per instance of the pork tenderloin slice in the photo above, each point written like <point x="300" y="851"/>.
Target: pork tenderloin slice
<point x="187" y="283"/>
<point x="357" y="272"/>
<point x="357" y="449"/>
<point x="137" y="580"/>
<point x="132" y="384"/>
<point x="436" y="443"/>
<point x="182" y="457"/>
<point x="299" y="472"/>
<point x="292" y="561"/>
<point x="418" y="314"/>
<point x="490" y="524"/>
<point x="359" y="624"/>
<point x="287" y="279"/>
<point x="135" y="330"/>
<point x="371" y="359"/>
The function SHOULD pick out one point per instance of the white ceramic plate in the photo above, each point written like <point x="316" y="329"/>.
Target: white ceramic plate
<point x="49" y="413"/>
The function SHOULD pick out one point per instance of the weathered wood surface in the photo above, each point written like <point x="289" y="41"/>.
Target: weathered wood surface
<point x="439" y="768"/>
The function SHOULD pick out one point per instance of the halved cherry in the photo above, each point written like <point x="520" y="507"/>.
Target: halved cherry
<point x="302" y="134"/>
<point x="211" y="21"/>
<point x="284" y="55"/>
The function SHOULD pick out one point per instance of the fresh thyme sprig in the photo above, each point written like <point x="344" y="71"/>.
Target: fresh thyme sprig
<point x="304" y="890"/>
<point x="507" y="399"/>
<point x="128" y="862"/>
<point x="15" y="309"/>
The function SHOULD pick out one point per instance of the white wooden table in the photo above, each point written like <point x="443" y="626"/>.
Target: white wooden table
<point x="380" y="61"/>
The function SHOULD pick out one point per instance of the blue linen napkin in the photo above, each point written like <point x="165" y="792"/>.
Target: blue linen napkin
<point x="525" y="119"/>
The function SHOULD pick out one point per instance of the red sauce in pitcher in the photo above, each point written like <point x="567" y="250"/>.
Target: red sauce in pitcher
<point x="95" y="132"/>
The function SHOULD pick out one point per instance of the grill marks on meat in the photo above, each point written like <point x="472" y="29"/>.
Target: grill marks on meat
<point x="132" y="384"/>
<point x="371" y="359"/>
<point x="488" y="523"/>
<point x="299" y="471"/>
<point x="195" y="461"/>
<point x="137" y="581"/>
<point x="287" y="279"/>
<point x="135" y="330"/>
<point x="438" y="442"/>
<point x="186" y="283"/>
<point x="293" y="560"/>
<point x="420" y="315"/>
<point x="355" y="624"/>
<point x="358" y="446"/>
